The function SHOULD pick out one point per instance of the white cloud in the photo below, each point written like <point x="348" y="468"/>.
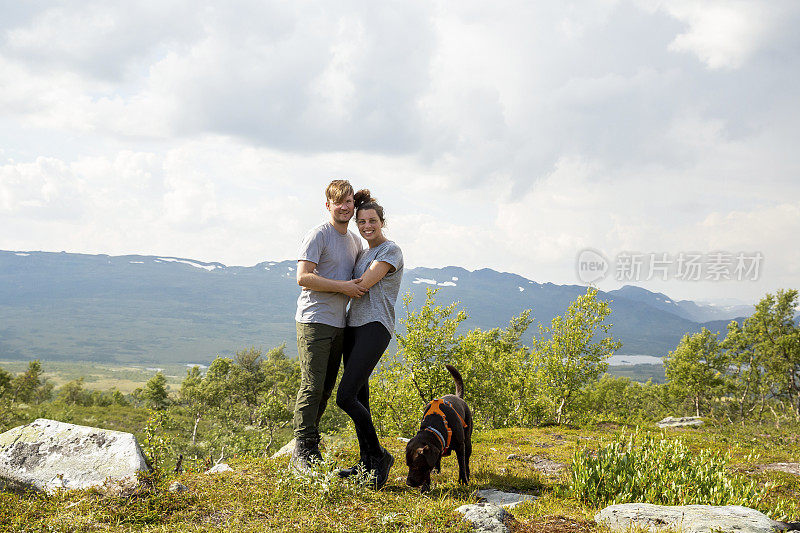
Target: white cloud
<point x="726" y="33"/>
<point x="504" y="137"/>
<point x="46" y="188"/>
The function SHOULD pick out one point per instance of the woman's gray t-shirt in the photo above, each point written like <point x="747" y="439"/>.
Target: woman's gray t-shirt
<point x="377" y="304"/>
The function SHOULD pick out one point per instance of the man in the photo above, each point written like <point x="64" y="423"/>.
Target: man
<point x="324" y="270"/>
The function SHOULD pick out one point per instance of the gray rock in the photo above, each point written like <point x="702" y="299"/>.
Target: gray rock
<point x="177" y="487"/>
<point x="789" y="468"/>
<point x="285" y="450"/>
<point x="218" y="469"/>
<point x="688" y="518"/>
<point x="47" y="455"/>
<point x="327" y="443"/>
<point x="486" y="517"/>
<point x="509" y="500"/>
<point x="681" y="421"/>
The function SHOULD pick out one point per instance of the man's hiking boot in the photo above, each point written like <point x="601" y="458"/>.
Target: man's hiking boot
<point x="315" y="454"/>
<point x="381" y="464"/>
<point x="306" y="452"/>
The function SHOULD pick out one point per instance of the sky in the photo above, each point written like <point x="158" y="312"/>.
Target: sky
<point x="504" y="135"/>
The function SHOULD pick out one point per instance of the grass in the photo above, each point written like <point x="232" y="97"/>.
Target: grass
<point x="262" y="495"/>
<point x="101" y="376"/>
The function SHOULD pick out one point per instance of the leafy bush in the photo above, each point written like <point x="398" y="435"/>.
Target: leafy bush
<point x="656" y="470"/>
<point x="508" y="384"/>
<point x="158" y="444"/>
<point x="623" y="400"/>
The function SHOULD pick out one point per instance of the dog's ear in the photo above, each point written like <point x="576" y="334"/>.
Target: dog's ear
<point x="430" y="456"/>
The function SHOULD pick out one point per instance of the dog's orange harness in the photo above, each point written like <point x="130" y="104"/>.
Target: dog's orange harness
<point x="435" y="408"/>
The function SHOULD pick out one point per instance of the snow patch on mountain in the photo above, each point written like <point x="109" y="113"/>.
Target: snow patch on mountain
<point x="184" y="261"/>
<point x="424" y="280"/>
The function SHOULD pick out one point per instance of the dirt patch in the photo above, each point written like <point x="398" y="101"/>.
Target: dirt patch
<point x="544" y="465"/>
<point x="789" y="468"/>
<point x="217" y="518"/>
<point x="552" y="524"/>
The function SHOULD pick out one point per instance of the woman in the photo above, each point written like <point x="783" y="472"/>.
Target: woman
<point x="370" y="323"/>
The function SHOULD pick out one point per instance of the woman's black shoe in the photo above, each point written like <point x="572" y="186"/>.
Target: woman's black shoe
<point x="381" y="465"/>
<point x="361" y="465"/>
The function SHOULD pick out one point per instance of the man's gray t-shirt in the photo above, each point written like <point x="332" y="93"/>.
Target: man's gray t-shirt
<point x="377" y="304"/>
<point x="335" y="255"/>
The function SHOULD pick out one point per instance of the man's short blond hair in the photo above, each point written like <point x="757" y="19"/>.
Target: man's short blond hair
<point x="338" y="190"/>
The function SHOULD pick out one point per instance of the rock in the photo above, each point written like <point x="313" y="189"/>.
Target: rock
<point x="47" y="455"/>
<point x="121" y="488"/>
<point x="177" y="487"/>
<point x="286" y="449"/>
<point x="509" y="500"/>
<point x="403" y="439"/>
<point x="486" y="517"/>
<point x="390" y="518"/>
<point x="687" y="519"/>
<point x="789" y="468"/>
<point x="217" y="469"/>
<point x="681" y="421"/>
<point x="328" y="443"/>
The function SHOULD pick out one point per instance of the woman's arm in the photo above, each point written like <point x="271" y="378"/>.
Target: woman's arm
<point x="376" y="271"/>
<point x="308" y="279"/>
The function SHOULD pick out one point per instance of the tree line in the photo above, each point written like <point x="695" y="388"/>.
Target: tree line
<point x="752" y="374"/>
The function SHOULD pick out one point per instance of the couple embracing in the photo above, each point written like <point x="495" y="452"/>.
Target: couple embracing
<point x="334" y="269"/>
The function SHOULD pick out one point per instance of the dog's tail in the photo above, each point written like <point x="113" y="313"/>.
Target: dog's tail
<point x="457" y="378"/>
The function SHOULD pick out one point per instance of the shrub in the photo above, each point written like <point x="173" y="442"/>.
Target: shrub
<point x="158" y="444"/>
<point x="656" y="470"/>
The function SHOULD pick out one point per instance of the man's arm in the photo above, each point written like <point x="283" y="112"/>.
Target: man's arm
<point x="374" y="274"/>
<point x="308" y="279"/>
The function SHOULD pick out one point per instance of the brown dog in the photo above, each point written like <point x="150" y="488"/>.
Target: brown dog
<point x="446" y="426"/>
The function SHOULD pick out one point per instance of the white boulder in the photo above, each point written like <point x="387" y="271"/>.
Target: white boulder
<point x="680" y="421"/>
<point x="486" y="517"/>
<point x="220" y="468"/>
<point x="47" y="455"/>
<point x="286" y="449"/>
<point x="686" y="518"/>
<point x="177" y="487"/>
<point x="509" y="500"/>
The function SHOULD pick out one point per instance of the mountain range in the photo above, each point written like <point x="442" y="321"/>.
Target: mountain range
<point x="151" y="309"/>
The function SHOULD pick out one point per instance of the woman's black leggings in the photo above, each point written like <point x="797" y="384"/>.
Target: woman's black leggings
<point x="363" y="348"/>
